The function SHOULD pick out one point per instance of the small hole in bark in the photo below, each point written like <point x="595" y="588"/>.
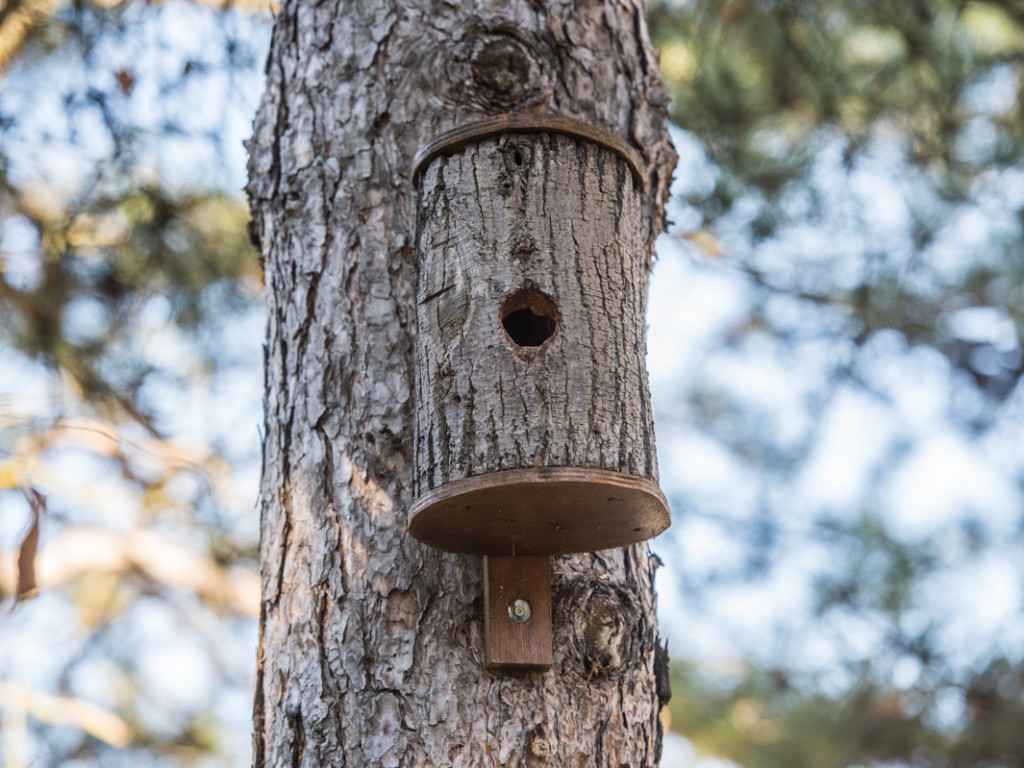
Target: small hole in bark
<point x="518" y="157"/>
<point x="529" y="318"/>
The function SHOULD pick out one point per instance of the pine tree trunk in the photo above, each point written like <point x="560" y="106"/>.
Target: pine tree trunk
<point x="371" y="642"/>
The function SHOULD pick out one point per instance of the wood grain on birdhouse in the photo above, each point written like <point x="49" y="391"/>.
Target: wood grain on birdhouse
<point x="533" y="428"/>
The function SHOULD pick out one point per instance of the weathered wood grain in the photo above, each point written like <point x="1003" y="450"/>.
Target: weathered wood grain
<point x="540" y="214"/>
<point x="510" y="584"/>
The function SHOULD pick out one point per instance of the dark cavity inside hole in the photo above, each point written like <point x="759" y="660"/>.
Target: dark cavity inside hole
<point x="529" y="318"/>
<point x="518" y="157"/>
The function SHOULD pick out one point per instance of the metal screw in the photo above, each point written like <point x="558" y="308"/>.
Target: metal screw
<point x="520" y="611"/>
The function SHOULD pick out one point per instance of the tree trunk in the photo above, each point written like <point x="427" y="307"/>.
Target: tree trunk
<point x="370" y="642"/>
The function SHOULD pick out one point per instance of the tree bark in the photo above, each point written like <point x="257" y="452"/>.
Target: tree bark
<point x="370" y="642"/>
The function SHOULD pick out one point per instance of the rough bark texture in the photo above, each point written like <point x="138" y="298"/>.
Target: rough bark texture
<point x="370" y="648"/>
<point x="546" y="228"/>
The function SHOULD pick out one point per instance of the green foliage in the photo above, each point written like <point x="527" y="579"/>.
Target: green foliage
<point x="757" y="80"/>
<point x="765" y="717"/>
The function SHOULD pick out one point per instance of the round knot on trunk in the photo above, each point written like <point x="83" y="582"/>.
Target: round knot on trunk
<point x="604" y="640"/>
<point x="501" y="70"/>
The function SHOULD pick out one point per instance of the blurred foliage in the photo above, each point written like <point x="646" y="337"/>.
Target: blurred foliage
<point x="857" y="170"/>
<point x="854" y="712"/>
<point x="768" y="87"/>
<point x="95" y="269"/>
<point x="129" y="370"/>
<point x="764" y="717"/>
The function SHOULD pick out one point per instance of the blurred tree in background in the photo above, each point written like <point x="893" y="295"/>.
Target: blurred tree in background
<point x="846" y="437"/>
<point x="129" y="381"/>
<point x="838" y="381"/>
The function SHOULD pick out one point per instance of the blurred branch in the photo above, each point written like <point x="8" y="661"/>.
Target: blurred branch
<point x="83" y="551"/>
<point x="101" y="438"/>
<point x="17" y="17"/>
<point x="64" y="710"/>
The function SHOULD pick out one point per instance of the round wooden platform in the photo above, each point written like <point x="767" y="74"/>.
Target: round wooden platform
<point x="540" y="511"/>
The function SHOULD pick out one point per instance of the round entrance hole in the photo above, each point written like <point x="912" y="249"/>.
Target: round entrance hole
<point x="529" y="317"/>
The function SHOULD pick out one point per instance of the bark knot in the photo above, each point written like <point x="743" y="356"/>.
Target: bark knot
<point x="605" y="640"/>
<point x="537" y="748"/>
<point x="501" y="69"/>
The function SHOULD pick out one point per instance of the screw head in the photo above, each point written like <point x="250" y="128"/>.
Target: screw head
<point x="520" y="611"/>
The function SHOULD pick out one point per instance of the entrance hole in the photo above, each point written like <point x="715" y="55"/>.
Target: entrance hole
<point x="529" y="317"/>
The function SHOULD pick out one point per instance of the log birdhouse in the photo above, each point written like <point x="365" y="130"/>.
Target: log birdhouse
<point x="533" y="427"/>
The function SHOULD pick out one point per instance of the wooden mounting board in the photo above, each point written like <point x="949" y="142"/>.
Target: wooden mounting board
<point x="508" y="644"/>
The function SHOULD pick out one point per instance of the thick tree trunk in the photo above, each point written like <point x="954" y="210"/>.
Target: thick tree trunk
<point x="371" y="643"/>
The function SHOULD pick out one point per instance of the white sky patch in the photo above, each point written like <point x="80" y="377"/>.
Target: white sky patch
<point x="754" y="619"/>
<point x="915" y="381"/>
<point x="826" y="643"/>
<point x="695" y="174"/>
<point x="943" y="480"/>
<point x="678" y="752"/>
<point x="20" y="260"/>
<point x="985" y="325"/>
<point x="882" y="203"/>
<point x="981" y="603"/>
<point x="855" y="433"/>
<point x="100" y="681"/>
<point x="968" y="233"/>
<point x="905" y="672"/>
<point x="706" y="469"/>
<point x="25" y="387"/>
<point x="704" y="546"/>
<point x="688" y="305"/>
<point x="996" y="93"/>
<point x="755" y="609"/>
<point x="174" y="668"/>
<point x="167" y="347"/>
<point x="1011" y="187"/>
<point x="15" y="518"/>
<point x="27" y="651"/>
<point x="86" y="488"/>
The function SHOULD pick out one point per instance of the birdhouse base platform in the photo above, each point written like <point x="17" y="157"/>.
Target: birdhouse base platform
<point x="540" y="511"/>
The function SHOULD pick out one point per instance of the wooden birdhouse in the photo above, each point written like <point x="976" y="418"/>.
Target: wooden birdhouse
<point x="533" y="427"/>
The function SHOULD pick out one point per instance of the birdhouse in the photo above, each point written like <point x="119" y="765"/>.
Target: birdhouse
<point x="533" y="426"/>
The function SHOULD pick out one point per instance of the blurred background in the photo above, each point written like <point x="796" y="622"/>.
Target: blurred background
<point x="835" y="320"/>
